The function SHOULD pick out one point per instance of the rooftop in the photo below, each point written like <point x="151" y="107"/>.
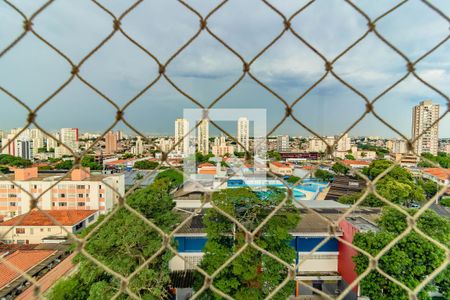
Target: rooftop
<point x="23" y="260"/>
<point x="440" y="173"/>
<point x="38" y="218"/>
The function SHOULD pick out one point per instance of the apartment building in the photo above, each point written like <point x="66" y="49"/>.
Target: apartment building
<point x="35" y="227"/>
<point x="424" y="127"/>
<point x="80" y="190"/>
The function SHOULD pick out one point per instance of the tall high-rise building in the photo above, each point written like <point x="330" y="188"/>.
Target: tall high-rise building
<point x="24" y="149"/>
<point x="69" y="137"/>
<point x="423" y="117"/>
<point x="243" y="129"/>
<point x="110" y="143"/>
<point x="138" y="149"/>
<point x="203" y="137"/>
<point x="282" y="143"/>
<point x="181" y="130"/>
<point x="220" y="147"/>
<point x="344" y="144"/>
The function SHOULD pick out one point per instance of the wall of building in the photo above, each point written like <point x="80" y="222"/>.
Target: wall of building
<point x="346" y="266"/>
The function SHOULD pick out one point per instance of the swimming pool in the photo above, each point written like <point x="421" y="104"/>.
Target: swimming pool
<point x="307" y="190"/>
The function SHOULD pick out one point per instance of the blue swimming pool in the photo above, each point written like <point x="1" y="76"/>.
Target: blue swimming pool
<point x="307" y="190"/>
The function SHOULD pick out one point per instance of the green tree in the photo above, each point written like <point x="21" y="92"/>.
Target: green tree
<point x="293" y="179"/>
<point x="349" y="156"/>
<point x="410" y="261"/>
<point x="274" y="155"/>
<point x="200" y="158"/>
<point x="124" y="243"/>
<point x="430" y="187"/>
<point x="89" y="161"/>
<point x="443" y="159"/>
<point x="14" y="161"/>
<point x="174" y="178"/>
<point x="370" y="200"/>
<point x="127" y="156"/>
<point x="145" y="165"/>
<point x="251" y="275"/>
<point x="445" y="201"/>
<point x="340" y="168"/>
<point x="323" y="175"/>
<point x="64" y="165"/>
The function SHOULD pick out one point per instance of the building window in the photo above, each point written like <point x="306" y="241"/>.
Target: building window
<point x="81" y="203"/>
<point x="11" y="186"/>
<point x="80" y="195"/>
<point x="12" y="203"/>
<point x="100" y="195"/>
<point x="20" y="230"/>
<point x="42" y="229"/>
<point x="62" y="204"/>
<point x="12" y="195"/>
<point x="49" y="229"/>
<point x="91" y="218"/>
<point x="31" y="230"/>
<point x="62" y="195"/>
<point x="80" y="187"/>
<point x="35" y="186"/>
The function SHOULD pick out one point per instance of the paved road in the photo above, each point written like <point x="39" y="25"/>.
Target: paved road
<point x="441" y="210"/>
<point x="49" y="279"/>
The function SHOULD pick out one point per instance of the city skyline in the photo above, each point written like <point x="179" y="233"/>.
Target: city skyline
<point x="205" y="69"/>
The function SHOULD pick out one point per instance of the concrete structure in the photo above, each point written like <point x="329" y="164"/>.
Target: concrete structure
<point x="138" y="148"/>
<point x="281" y="168"/>
<point x="24" y="149"/>
<point x="243" y="131"/>
<point x="317" y="145"/>
<point x="397" y="146"/>
<point x="81" y="190"/>
<point x="36" y="227"/>
<point x="110" y="143"/>
<point x="344" y="144"/>
<point x="203" y="137"/>
<point x="423" y="117"/>
<point x="69" y="137"/>
<point x="181" y="131"/>
<point x="283" y="143"/>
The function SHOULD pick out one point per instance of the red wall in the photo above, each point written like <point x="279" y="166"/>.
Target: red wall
<point x="346" y="267"/>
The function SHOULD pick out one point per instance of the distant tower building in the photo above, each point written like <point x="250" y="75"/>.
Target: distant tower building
<point x="423" y="117"/>
<point x="181" y="130"/>
<point x="119" y="135"/>
<point x="203" y="137"/>
<point x="139" y="147"/>
<point x="283" y="143"/>
<point x="24" y="149"/>
<point x="69" y="137"/>
<point x="344" y="144"/>
<point x="220" y="147"/>
<point x="242" y="134"/>
<point x="110" y="143"/>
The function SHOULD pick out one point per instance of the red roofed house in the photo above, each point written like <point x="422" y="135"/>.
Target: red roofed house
<point x="356" y="164"/>
<point x="281" y="168"/>
<point x="35" y="227"/>
<point x="207" y="168"/>
<point x="24" y="260"/>
<point x="438" y="175"/>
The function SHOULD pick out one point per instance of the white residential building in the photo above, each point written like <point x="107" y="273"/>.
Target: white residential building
<point x="283" y="143"/>
<point x="181" y="131"/>
<point x="80" y="191"/>
<point x="243" y="130"/>
<point x="424" y="117"/>
<point x="203" y="137"/>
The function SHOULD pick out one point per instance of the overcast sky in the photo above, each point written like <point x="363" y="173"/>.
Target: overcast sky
<point x="32" y="71"/>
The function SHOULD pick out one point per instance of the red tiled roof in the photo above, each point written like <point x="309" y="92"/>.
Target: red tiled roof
<point x="442" y="174"/>
<point x="308" y="167"/>
<point x="38" y="218"/>
<point x="23" y="260"/>
<point x="117" y="162"/>
<point x="281" y="164"/>
<point x="206" y="164"/>
<point x="356" y="162"/>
